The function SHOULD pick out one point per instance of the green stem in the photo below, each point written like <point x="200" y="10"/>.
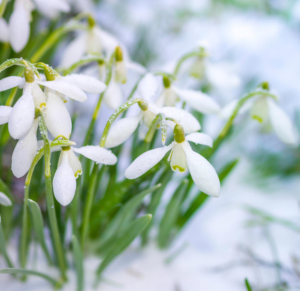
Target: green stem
<point x="230" y="121"/>
<point x="3" y="7"/>
<point x="114" y="116"/>
<point x="60" y="254"/>
<point x="185" y="57"/>
<point x="88" y="205"/>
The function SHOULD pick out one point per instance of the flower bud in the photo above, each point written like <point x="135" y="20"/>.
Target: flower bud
<point x="179" y="136"/>
<point x="91" y="21"/>
<point x="166" y="82"/>
<point x="143" y="105"/>
<point x="49" y="74"/>
<point x="29" y="75"/>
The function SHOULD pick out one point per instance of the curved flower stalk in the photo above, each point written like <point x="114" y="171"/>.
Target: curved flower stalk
<point x="18" y="30"/>
<point x="182" y="157"/>
<point x="264" y="109"/>
<point x="196" y="99"/>
<point x="69" y="168"/>
<point x="125" y="127"/>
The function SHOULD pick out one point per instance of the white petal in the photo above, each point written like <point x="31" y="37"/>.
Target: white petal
<point x="136" y="67"/>
<point x="19" y="28"/>
<point x="74" y="51"/>
<point x="86" y="83"/>
<point x="200" y="138"/>
<point x="4" y="33"/>
<point x="282" y="124"/>
<point x="97" y="154"/>
<point x="4" y="200"/>
<point x="202" y="172"/>
<point x="57" y="117"/>
<point x="145" y="162"/>
<point x="178" y="158"/>
<point x="25" y="152"/>
<point x="148" y="87"/>
<point x="22" y="115"/>
<point x="65" y="88"/>
<point x="11" y="82"/>
<point x="74" y="163"/>
<point x="94" y="43"/>
<point x="259" y="110"/>
<point x="120" y="72"/>
<point x="113" y="97"/>
<point x="52" y="8"/>
<point x="198" y="100"/>
<point x="4" y="114"/>
<point x="64" y="182"/>
<point x="187" y="120"/>
<point x="38" y="95"/>
<point x="121" y="130"/>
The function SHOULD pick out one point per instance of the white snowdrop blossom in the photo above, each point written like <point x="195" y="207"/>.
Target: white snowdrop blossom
<point x="18" y="29"/>
<point x="94" y="40"/>
<point x="123" y="128"/>
<point x="265" y="110"/>
<point x="4" y="200"/>
<point x="25" y="151"/>
<point x="22" y="114"/>
<point x="196" y="99"/>
<point x="182" y="157"/>
<point x="69" y="168"/>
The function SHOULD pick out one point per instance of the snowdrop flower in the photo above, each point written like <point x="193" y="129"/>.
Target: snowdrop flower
<point x="113" y="97"/>
<point x="265" y="110"/>
<point x="19" y="22"/>
<point x="196" y="99"/>
<point x="4" y="33"/>
<point x="25" y="151"/>
<point x="4" y="200"/>
<point x="182" y="157"/>
<point x="125" y="127"/>
<point x="69" y="167"/>
<point x="92" y="41"/>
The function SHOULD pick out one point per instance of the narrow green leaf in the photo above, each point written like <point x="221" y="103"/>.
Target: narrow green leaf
<point x="78" y="260"/>
<point x="199" y="200"/>
<point x="38" y="225"/>
<point x="29" y="272"/>
<point x="171" y="214"/>
<point x="125" y="215"/>
<point x="3" y="247"/>
<point x="124" y="240"/>
<point x="247" y="285"/>
<point x="155" y="200"/>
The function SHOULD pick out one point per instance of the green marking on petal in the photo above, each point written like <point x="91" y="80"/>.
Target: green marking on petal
<point x="258" y="118"/>
<point x="180" y="169"/>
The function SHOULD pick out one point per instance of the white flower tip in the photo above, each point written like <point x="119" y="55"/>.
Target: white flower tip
<point x="4" y="200"/>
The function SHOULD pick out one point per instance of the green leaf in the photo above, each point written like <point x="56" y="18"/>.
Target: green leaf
<point x="199" y="200"/>
<point x="171" y="214"/>
<point x="78" y="260"/>
<point x="38" y="225"/>
<point x="30" y="272"/>
<point x="3" y="247"/>
<point x="125" y="215"/>
<point x="247" y="285"/>
<point x="155" y="200"/>
<point x="124" y="240"/>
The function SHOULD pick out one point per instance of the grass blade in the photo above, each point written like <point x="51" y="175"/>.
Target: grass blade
<point x="248" y="285"/>
<point x="124" y="240"/>
<point x="29" y="272"/>
<point x="78" y="259"/>
<point x="38" y="226"/>
<point x="171" y="215"/>
<point x="3" y="247"/>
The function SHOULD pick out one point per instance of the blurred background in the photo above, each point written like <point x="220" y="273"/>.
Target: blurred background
<point x="253" y="229"/>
